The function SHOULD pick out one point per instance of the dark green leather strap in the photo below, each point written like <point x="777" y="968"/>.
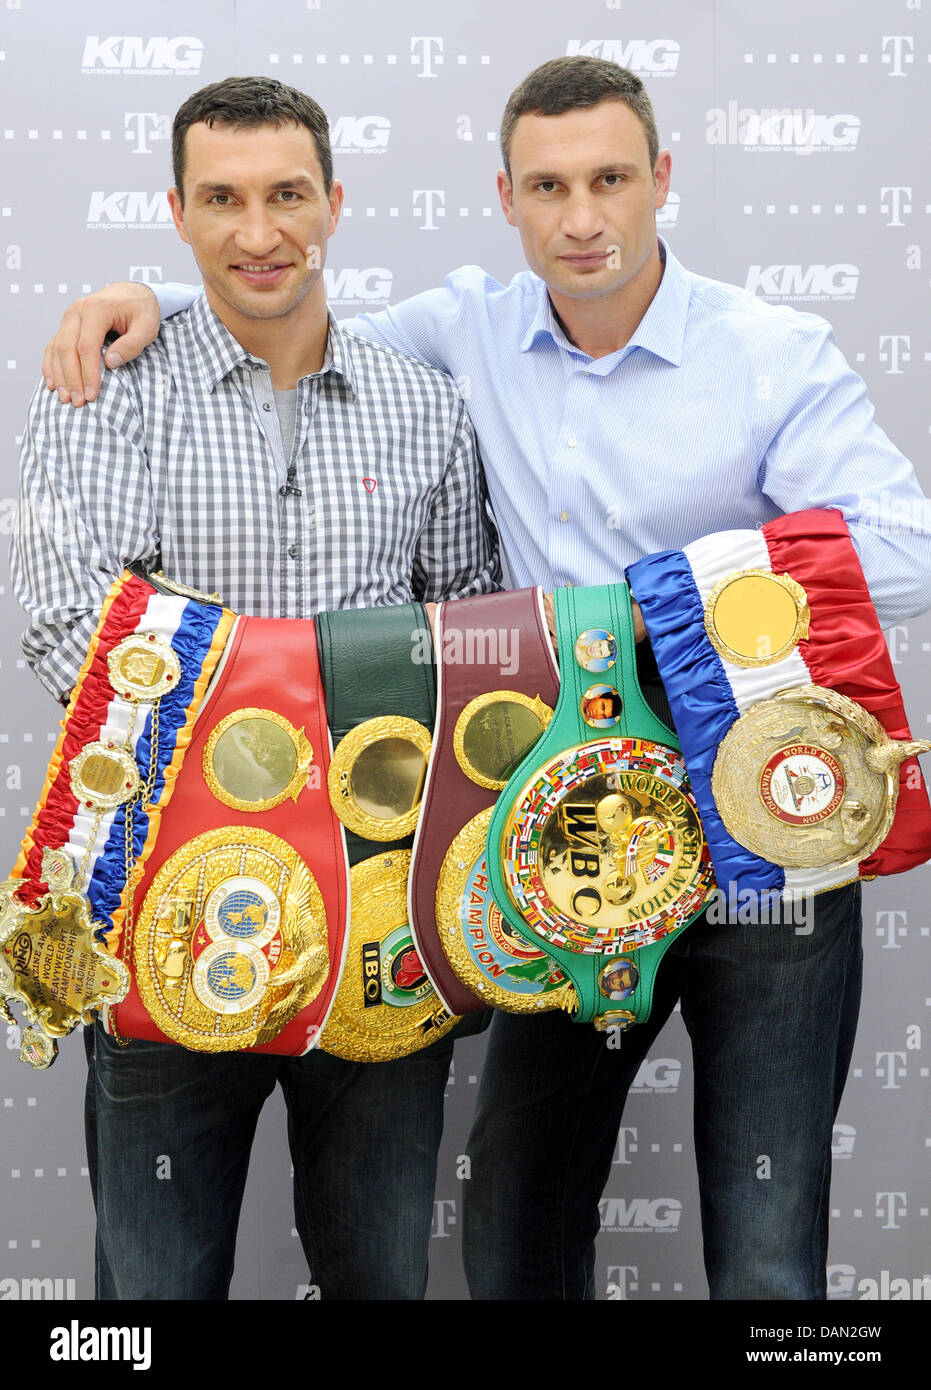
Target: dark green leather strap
<point x="376" y="661"/>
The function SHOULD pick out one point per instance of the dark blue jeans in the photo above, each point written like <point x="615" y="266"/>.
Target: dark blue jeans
<point x="169" y="1134"/>
<point x="771" y="1014"/>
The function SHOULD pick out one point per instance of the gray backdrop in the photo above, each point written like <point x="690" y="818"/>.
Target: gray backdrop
<point x="800" y="168"/>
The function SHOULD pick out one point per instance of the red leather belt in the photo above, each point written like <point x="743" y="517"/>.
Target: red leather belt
<point x="240" y="916"/>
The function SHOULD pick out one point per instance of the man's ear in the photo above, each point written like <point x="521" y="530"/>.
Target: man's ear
<point x="177" y="212"/>
<point x="336" y="204"/>
<point x="506" y="194"/>
<point x="661" y="173"/>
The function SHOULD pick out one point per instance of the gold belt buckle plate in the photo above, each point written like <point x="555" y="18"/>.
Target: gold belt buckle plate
<point x="49" y="960"/>
<point x="385" y="1006"/>
<point x="604" y="850"/>
<point x="809" y="779"/>
<point x="231" y="941"/>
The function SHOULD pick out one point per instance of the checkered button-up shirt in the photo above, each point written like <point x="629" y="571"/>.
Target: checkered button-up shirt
<point x="380" y="500"/>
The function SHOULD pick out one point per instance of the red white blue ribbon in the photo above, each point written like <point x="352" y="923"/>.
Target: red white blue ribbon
<point x="844" y="651"/>
<point x="197" y="632"/>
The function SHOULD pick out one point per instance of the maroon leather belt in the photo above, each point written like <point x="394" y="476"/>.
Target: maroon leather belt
<point x="497" y="684"/>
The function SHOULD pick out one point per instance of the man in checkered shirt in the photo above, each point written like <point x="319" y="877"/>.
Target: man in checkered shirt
<point x="293" y="468"/>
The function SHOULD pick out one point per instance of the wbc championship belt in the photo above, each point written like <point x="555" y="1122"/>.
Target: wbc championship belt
<point x="790" y="716"/>
<point x="381" y="699"/>
<point x="239" y="931"/>
<point x="110" y="779"/>
<point x="497" y="686"/>
<point x="595" y="848"/>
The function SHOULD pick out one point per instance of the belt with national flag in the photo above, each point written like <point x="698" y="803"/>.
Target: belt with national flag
<point x="784" y="698"/>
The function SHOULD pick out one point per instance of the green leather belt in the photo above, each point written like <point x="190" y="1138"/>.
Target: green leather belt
<point x="379" y="685"/>
<point x="595" y="846"/>
<point x="380" y="690"/>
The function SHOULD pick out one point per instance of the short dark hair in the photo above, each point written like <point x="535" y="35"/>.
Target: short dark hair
<point x="242" y="102"/>
<point x="570" y="84"/>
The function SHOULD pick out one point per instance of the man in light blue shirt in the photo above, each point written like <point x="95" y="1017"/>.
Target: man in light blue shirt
<point x="623" y="406"/>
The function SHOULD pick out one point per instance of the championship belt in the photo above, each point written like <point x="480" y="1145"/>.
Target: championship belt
<point x="241" y="920"/>
<point x="381" y="698"/>
<point x="110" y="779"/>
<point x="595" y="847"/>
<point x="497" y="685"/>
<point x="790" y="716"/>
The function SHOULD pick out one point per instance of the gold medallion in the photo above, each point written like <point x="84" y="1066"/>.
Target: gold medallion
<point x="486" y="953"/>
<point x="809" y="779"/>
<point x="494" y="732"/>
<point x="755" y="618"/>
<point x="231" y="941"/>
<point x="603" y="849"/>
<point x="142" y="668"/>
<point x="376" y="777"/>
<point x="49" y="959"/>
<point x="385" y="1006"/>
<point x="104" y="775"/>
<point x="254" y="759"/>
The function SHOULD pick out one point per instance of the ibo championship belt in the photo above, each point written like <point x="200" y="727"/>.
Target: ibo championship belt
<point x="381" y="699"/>
<point x="595" y="847"/>
<point x="784" y="697"/>
<point x="497" y="686"/>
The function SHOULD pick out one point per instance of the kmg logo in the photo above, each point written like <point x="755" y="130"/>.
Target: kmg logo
<point x="133" y="210"/>
<point x="658" y="57"/>
<point x="136" y="55"/>
<point x="788" y="282"/>
<point x="369" y="286"/>
<point x="350" y="134"/>
<point x="640" y="1213"/>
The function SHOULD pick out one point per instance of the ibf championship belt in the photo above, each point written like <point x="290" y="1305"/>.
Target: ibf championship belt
<point x="241" y="921"/>
<point x="790" y="716"/>
<point x="595" y="847"/>
<point x="497" y="686"/>
<point x="112" y="774"/>
<point x="381" y="699"/>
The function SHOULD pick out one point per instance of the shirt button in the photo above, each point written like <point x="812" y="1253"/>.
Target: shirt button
<point x="564" y="515"/>
<point x="265" y="405"/>
<point x="292" y="551"/>
<point x="572" y="443"/>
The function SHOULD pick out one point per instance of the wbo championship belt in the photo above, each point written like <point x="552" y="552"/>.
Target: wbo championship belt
<point x="595" y="848"/>
<point x="110" y="778"/>
<point x="241" y="925"/>
<point x="497" y="687"/>
<point x="381" y="700"/>
<point x="784" y="697"/>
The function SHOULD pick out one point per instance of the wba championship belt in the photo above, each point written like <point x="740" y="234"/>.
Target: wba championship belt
<point x="381" y="699"/>
<point x="110" y="779"/>
<point x="240" y="924"/>
<point x="789" y="713"/>
<point x="497" y="685"/>
<point x="595" y="847"/>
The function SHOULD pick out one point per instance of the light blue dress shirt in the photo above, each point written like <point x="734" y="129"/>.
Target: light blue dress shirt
<point x="722" y="411"/>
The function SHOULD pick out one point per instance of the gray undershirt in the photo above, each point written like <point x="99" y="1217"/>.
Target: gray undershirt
<point x="286" y="405"/>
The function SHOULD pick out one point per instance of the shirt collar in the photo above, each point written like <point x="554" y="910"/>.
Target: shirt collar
<point x="660" y="331"/>
<point x="219" y="353"/>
